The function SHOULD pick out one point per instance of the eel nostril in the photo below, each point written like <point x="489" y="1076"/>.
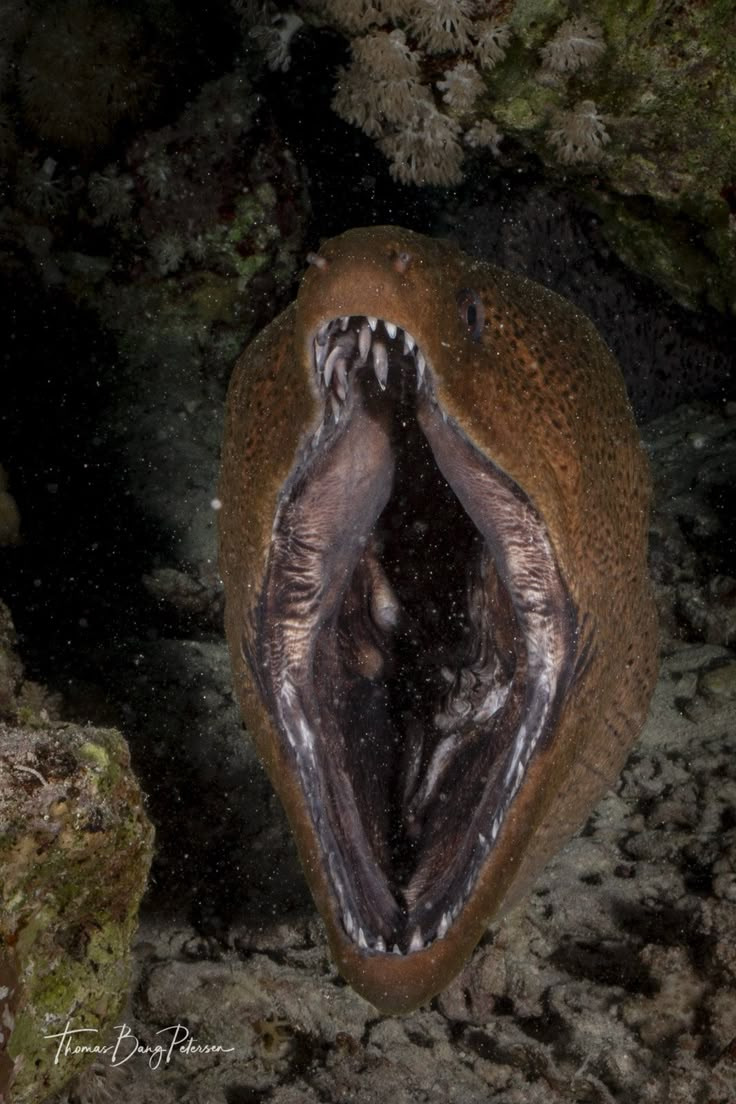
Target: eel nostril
<point x="401" y="262"/>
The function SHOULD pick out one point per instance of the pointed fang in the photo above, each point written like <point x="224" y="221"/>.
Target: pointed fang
<point x="364" y="342"/>
<point x="417" y="943"/>
<point x="380" y="363"/>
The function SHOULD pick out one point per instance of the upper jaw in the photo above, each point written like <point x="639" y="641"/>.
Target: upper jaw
<point x="340" y="346"/>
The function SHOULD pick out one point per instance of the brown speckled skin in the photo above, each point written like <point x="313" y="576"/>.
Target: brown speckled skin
<point x="542" y="397"/>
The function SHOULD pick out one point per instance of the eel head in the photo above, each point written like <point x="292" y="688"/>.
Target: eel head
<point x="434" y="551"/>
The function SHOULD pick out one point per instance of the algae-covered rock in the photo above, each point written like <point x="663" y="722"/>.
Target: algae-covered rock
<point x="75" y="849"/>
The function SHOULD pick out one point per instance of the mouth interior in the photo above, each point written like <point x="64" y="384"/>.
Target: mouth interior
<point x="415" y="640"/>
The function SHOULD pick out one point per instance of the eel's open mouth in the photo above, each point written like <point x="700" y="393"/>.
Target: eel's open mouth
<point x="415" y="639"/>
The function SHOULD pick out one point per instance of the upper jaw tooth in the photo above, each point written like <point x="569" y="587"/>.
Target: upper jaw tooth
<point x="390" y="330"/>
<point x="364" y="342"/>
<point x="380" y="363"/>
<point x="373" y="322"/>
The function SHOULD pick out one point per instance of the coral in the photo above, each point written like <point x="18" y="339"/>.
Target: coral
<point x="82" y="72"/>
<point x="355" y="16"/>
<point x="275" y="40"/>
<point x="461" y="87"/>
<point x="492" y="41"/>
<point x="387" y="93"/>
<point x="168" y="252"/>
<point x="443" y="26"/>
<point x="484" y="134"/>
<point x="576" y="44"/>
<point x="382" y="86"/>
<point x="427" y="151"/>
<point x="111" y="194"/>
<point x="579" y="135"/>
<point x="39" y="188"/>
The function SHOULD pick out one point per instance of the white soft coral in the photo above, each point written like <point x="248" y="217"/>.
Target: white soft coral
<point x="461" y="87"/>
<point x="580" y="134"/>
<point x="575" y="44"/>
<point x="443" y="26"/>
<point x="382" y="85"/>
<point x="426" y="150"/>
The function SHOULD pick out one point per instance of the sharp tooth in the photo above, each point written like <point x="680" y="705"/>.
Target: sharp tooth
<point x="344" y="323"/>
<point x="320" y="354"/>
<point x="444" y="925"/>
<point x="373" y="322"/>
<point x="390" y="329"/>
<point x="380" y="363"/>
<point x="322" y="334"/>
<point x="348" y="924"/>
<point x="409" y="342"/>
<point x="364" y="342"/>
<point x="335" y="403"/>
<point x="341" y="379"/>
<point x="396" y="949"/>
<point x="421" y="365"/>
<point x="416" y="940"/>
<point x="361" y="939"/>
<point x="494" y="827"/>
<point x="335" y="355"/>
<point x="380" y="945"/>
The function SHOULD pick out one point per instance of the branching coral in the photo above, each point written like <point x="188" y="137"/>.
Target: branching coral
<point x="385" y="92"/>
<point x="484" y="134"/>
<point x="579" y="135"/>
<point x="576" y="44"/>
<point x="461" y="87"/>
<point x="383" y="84"/>
<point x="443" y="26"/>
<point x="111" y="194"/>
<point x="275" y="39"/>
<point x="427" y="150"/>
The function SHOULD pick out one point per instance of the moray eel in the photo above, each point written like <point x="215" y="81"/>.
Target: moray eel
<point x="433" y="528"/>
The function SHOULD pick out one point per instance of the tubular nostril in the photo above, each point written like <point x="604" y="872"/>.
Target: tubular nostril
<point x="319" y="262"/>
<point x="401" y="262"/>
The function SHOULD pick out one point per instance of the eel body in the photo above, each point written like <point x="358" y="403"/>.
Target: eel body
<point x="433" y="544"/>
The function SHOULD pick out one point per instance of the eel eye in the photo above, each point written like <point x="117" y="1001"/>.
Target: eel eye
<point x="470" y="309"/>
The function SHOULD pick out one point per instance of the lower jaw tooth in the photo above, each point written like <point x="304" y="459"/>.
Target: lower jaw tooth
<point x="335" y="403"/>
<point x="421" y="365"/>
<point x="380" y="945"/>
<point x="416" y="943"/>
